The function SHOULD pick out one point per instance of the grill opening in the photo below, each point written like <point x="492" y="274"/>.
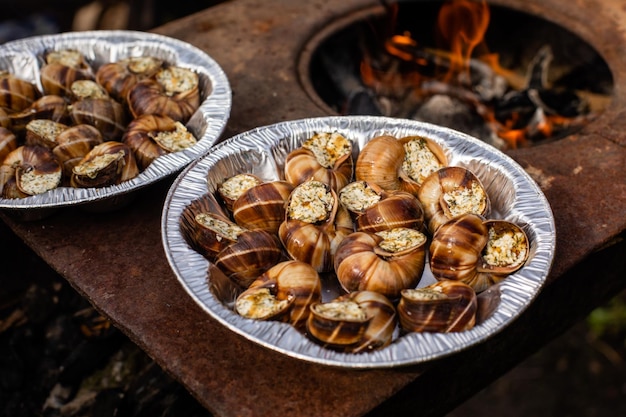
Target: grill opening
<point x="505" y="76"/>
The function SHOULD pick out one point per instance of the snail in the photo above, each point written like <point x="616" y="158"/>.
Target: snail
<point x="375" y="209"/>
<point x="29" y="170"/>
<point x="324" y="157"/>
<point x="61" y="69"/>
<point x="106" y="164"/>
<point x="117" y="78"/>
<point x="105" y="114"/>
<point x="356" y="322"/>
<point x="445" y="306"/>
<point x="284" y="292"/>
<point x="386" y="262"/>
<point x="476" y="251"/>
<point x="173" y="91"/>
<point x="73" y="143"/>
<point x="152" y="135"/>
<point x="450" y="192"/>
<point x="16" y="94"/>
<point x="262" y="207"/>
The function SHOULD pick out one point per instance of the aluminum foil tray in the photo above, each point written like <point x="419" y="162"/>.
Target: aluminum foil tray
<point x="24" y="57"/>
<point x="514" y="195"/>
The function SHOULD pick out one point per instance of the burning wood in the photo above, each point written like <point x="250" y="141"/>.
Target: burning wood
<point x="503" y="107"/>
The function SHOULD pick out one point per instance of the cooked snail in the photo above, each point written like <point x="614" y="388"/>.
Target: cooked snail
<point x="477" y="252"/>
<point x="375" y="209"/>
<point x="386" y="262"/>
<point x="73" y="143"/>
<point x="33" y="169"/>
<point x="106" y="164"/>
<point x="315" y="224"/>
<point x="324" y="157"/>
<point x="380" y="162"/>
<point x="16" y="94"/>
<point x="62" y="68"/>
<point x="262" y="207"/>
<point x="43" y="132"/>
<point x="422" y="157"/>
<point x="48" y="107"/>
<point x="445" y="306"/>
<point x="152" y="135"/>
<point x="174" y="92"/>
<point x="450" y="192"/>
<point x="105" y="114"/>
<point x="82" y="89"/>
<point x="8" y="142"/>
<point x="285" y="292"/>
<point x="354" y="322"/>
<point x="119" y="77"/>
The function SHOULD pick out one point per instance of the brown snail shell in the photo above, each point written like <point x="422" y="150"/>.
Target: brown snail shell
<point x="34" y="169"/>
<point x="61" y="69"/>
<point x="48" y="107"/>
<point x="380" y="162"/>
<point x="233" y="187"/>
<point x="105" y="114"/>
<point x="445" y="306"/>
<point x="450" y="192"/>
<point x="384" y="210"/>
<point x="106" y="164"/>
<point x="466" y="249"/>
<point x="262" y="207"/>
<point x="147" y="135"/>
<point x="355" y="322"/>
<point x="155" y="96"/>
<point x="374" y="262"/>
<point x="325" y="157"/>
<point x="43" y="132"/>
<point x="289" y="287"/>
<point x="313" y="236"/>
<point x="16" y="94"/>
<point x="250" y="255"/>
<point x="119" y="77"/>
<point x="73" y="143"/>
<point x="207" y="228"/>
<point x="8" y="142"/>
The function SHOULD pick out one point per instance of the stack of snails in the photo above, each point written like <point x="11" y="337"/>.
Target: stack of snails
<point x="369" y="222"/>
<point x="88" y="126"/>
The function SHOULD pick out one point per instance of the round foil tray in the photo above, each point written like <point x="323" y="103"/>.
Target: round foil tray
<point x="514" y="196"/>
<point x="24" y="57"/>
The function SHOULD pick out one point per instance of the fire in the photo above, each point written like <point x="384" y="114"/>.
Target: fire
<point x="460" y="56"/>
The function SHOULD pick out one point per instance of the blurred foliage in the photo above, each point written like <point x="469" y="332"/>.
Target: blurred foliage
<point x="609" y="321"/>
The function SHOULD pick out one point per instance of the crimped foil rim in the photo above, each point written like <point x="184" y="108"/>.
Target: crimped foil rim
<point x="215" y="109"/>
<point x="529" y="208"/>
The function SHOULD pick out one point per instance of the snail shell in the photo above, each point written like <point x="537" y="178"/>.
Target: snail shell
<point x="34" y="170"/>
<point x="47" y="107"/>
<point x="105" y="114"/>
<point x="43" y="132"/>
<point x="106" y="164"/>
<point x="375" y="209"/>
<point x="386" y="262"/>
<point x="262" y="207"/>
<point x="314" y="225"/>
<point x="174" y="92"/>
<point x="207" y="228"/>
<point x="151" y="135"/>
<point x="450" y="192"/>
<point x="422" y="157"/>
<point x="324" y="157"/>
<point x="16" y="94"/>
<point x="284" y="292"/>
<point x="380" y="162"/>
<point x="445" y="306"/>
<point x="73" y="143"/>
<point x="251" y="254"/>
<point x="119" y="77"/>
<point x="477" y="252"/>
<point x="354" y="322"/>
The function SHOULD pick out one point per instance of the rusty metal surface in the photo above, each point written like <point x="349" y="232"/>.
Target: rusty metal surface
<point x="116" y="260"/>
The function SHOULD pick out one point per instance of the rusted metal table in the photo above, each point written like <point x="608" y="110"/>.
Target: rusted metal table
<point x="116" y="260"/>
